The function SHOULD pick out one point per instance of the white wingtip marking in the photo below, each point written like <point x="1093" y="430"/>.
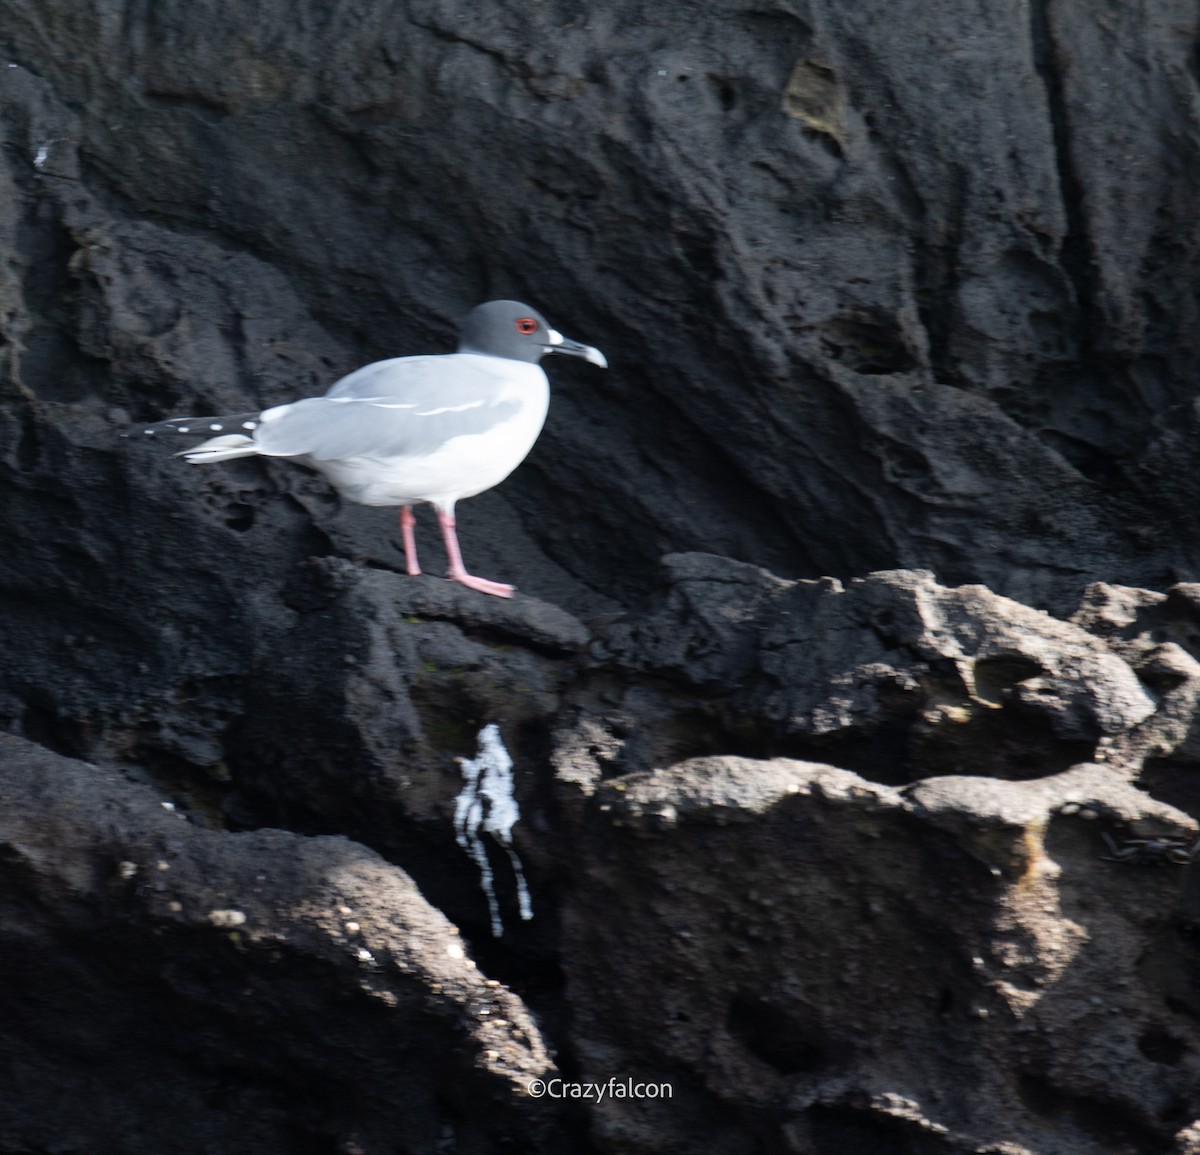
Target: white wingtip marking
<point x="220" y="449"/>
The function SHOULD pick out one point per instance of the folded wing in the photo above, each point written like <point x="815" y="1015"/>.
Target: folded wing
<point x="404" y="407"/>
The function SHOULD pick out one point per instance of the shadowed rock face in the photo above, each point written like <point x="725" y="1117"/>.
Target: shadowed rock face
<point x="177" y="945"/>
<point x="881" y="862"/>
<point x="926" y="970"/>
<point x="978" y="932"/>
<point x="880" y="287"/>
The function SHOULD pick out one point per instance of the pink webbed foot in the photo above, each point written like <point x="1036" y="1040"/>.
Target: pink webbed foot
<point x="498" y="589"/>
<point x="457" y="572"/>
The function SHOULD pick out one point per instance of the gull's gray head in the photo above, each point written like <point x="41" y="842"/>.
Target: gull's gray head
<point x="513" y="330"/>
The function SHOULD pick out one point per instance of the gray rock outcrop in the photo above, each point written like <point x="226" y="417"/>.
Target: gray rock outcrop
<point x="866" y="829"/>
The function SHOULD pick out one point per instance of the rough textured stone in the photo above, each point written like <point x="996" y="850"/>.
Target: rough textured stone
<point x="926" y="970"/>
<point x="887" y="290"/>
<point x="881" y="287"/>
<point x="812" y="960"/>
<point x="156" y="974"/>
<point x="1159" y="636"/>
<point x="893" y="673"/>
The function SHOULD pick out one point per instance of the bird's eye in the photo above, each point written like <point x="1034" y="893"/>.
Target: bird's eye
<point x="526" y="325"/>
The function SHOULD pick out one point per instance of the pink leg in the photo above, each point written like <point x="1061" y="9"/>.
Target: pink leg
<point x="457" y="571"/>
<point x="407" y="521"/>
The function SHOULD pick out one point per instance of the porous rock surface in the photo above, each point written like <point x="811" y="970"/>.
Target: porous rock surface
<point x="989" y="955"/>
<point x="880" y="286"/>
<point x="893" y="860"/>
<point x="796" y="1006"/>
<point x="173" y="988"/>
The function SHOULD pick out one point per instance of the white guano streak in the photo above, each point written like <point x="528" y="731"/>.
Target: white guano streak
<point x="487" y="805"/>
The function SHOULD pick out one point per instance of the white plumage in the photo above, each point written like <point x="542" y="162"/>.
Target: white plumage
<point x="410" y="429"/>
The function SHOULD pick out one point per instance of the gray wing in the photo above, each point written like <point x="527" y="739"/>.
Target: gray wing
<point x="404" y="407"/>
<point x="411" y="379"/>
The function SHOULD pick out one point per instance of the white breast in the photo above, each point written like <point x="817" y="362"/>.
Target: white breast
<point x="460" y="467"/>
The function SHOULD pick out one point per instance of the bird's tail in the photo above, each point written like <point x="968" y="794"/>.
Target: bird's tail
<point x="235" y="439"/>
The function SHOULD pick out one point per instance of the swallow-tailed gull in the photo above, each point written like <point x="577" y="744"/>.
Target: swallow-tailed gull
<point x="412" y="429"/>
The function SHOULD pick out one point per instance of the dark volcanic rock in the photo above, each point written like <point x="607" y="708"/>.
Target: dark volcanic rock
<point x="155" y="974"/>
<point x="879" y="288"/>
<point x="894" y="674"/>
<point x="903" y="292"/>
<point x="812" y="961"/>
<point x="929" y="970"/>
<point x="361" y="710"/>
<point x="1159" y="636"/>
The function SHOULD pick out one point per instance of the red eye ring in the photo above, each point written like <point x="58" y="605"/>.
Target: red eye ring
<point x="526" y="325"/>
